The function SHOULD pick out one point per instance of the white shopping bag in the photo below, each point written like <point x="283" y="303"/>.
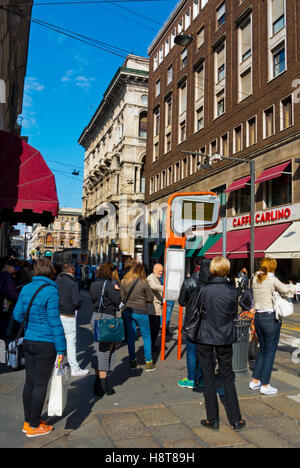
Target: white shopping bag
<point x="58" y="391"/>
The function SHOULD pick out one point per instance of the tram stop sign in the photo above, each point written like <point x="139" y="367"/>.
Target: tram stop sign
<point x="194" y="212"/>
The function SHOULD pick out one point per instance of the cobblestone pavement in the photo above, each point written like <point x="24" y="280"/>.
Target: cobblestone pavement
<point x="149" y="410"/>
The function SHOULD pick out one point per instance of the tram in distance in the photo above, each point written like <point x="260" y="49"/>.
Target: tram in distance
<point x="71" y="256"/>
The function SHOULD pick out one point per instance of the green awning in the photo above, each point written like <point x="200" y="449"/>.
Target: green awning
<point x="212" y="239"/>
<point x="160" y="250"/>
<point x="193" y="246"/>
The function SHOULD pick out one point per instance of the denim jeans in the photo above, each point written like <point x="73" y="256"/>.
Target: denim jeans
<point x="170" y="306"/>
<point x="193" y="366"/>
<point x="142" y="321"/>
<point x="268" y="332"/>
<point x="69" y="325"/>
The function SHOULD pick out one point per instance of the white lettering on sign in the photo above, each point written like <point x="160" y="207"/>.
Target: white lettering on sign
<point x="264" y="217"/>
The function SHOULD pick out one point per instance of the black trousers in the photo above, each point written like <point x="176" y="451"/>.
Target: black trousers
<point x="154" y="321"/>
<point x="39" y="362"/>
<point x="206" y="357"/>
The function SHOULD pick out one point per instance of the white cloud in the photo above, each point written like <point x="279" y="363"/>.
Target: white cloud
<point x="67" y="76"/>
<point x="32" y="84"/>
<point x="84" y="82"/>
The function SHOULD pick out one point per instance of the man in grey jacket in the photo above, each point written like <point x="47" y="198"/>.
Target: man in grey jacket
<point x="69" y="304"/>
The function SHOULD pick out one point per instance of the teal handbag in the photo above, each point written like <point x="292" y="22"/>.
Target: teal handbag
<point x="108" y="330"/>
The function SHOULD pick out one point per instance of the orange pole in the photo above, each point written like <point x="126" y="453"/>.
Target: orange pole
<point x="163" y="331"/>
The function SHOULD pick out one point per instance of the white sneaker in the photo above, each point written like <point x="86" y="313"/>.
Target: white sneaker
<point x="79" y="372"/>
<point x="268" y="390"/>
<point x="254" y="386"/>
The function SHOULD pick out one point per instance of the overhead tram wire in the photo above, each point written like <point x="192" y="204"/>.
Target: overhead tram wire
<point x="79" y="37"/>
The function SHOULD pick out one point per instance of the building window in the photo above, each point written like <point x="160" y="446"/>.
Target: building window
<point x="194" y="163"/>
<point x="157" y="88"/>
<point x="243" y="200"/>
<point x="180" y="26"/>
<point x="160" y="55"/>
<point x="224" y="145"/>
<point x="286" y="113"/>
<point x="196" y="8"/>
<point x="182" y="131"/>
<point x="221" y="16"/>
<point x="184" y="58"/>
<point x="199" y="118"/>
<point x="170" y="176"/>
<point x="245" y="84"/>
<point x="278" y="55"/>
<point x="155" y="62"/>
<point x="251" y="131"/>
<point x="199" y="82"/>
<point x="237" y="140"/>
<point x="184" y="168"/>
<point x="49" y="240"/>
<point x="220" y="101"/>
<point x="156" y="151"/>
<point x="200" y="38"/>
<point x="213" y="147"/>
<point x="177" y="172"/>
<point x="173" y="35"/>
<point x="278" y="17"/>
<point x="170" y="74"/>
<point x="143" y="125"/>
<point x="156" y="122"/>
<point x="279" y="191"/>
<point x="163" y="179"/>
<point x="269" y="122"/>
<point x="167" y="46"/>
<point x="182" y="98"/>
<point x="169" y="108"/>
<point x="187" y="18"/>
<point x="168" y="142"/>
<point x="220" y="191"/>
<point x="220" y="63"/>
<point x="245" y="40"/>
<point x="152" y="187"/>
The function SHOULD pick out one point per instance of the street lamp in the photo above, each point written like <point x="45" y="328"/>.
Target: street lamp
<point x="213" y="157"/>
<point x="183" y="40"/>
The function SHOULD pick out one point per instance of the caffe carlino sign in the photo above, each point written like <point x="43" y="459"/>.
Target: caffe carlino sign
<point x="264" y="217"/>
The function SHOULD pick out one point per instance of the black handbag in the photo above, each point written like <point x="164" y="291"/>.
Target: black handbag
<point x="191" y="326"/>
<point x="14" y="352"/>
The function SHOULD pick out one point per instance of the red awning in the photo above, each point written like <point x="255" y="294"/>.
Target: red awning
<point x="27" y="186"/>
<point x="238" y="184"/>
<point x="272" y="172"/>
<point x="238" y="242"/>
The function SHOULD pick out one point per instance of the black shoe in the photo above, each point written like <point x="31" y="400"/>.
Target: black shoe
<point x="133" y="364"/>
<point x="98" y="390"/>
<point x="210" y="424"/>
<point x="107" y="389"/>
<point x="238" y="426"/>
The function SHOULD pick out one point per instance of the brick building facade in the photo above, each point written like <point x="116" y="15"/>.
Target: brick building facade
<point x="233" y="91"/>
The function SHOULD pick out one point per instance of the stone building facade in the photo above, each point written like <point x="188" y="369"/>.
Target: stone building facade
<point x="63" y="233"/>
<point x="115" y="150"/>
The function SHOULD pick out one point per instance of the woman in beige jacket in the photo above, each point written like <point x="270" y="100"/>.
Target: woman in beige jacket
<point x="266" y="325"/>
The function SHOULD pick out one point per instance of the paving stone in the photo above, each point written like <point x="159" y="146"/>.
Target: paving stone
<point x="191" y="415"/>
<point x="257" y="408"/>
<point x="284" y="405"/>
<point x="157" y="416"/>
<point x="121" y="426"/>
<point x="285" y="427"/>
<point x="224" y="437"/>
<point x="172" y="432"/>
<point x="185" y="443"/>
<point x="87" y="430"/>
<point x="6" y="387"/>
<point x="148" y="442"/>
<point x="263" y="438"/>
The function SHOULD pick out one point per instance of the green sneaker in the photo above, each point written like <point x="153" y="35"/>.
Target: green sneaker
<point x="186" y="383"/>
<point x="149" y="366"/>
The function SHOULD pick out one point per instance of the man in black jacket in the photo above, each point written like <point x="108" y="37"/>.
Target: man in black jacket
<point x="69" y="304"/>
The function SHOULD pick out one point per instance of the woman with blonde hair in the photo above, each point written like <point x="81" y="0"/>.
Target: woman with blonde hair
<point x="266" y="325"/>
<point x="217" y="333"/>
<point x="136" y="294"/>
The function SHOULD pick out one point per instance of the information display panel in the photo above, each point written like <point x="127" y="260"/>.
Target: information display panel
<point x="175" y="273"/>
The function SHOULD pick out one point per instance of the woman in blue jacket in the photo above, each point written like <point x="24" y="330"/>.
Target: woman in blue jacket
<point x="44" y="339"/>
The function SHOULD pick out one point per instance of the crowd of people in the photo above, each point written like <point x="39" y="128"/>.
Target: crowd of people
<point x="50" y="332"/>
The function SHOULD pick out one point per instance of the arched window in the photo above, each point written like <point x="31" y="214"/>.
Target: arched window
<point x="143" y="125"/>
<point x="49" y="239"/>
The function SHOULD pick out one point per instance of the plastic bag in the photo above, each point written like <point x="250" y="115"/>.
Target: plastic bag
<point x="58" y="391"/>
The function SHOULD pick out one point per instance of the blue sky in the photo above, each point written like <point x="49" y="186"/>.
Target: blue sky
<point x="66" y="79"/>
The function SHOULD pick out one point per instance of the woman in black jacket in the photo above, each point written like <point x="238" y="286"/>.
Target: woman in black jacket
<point x="217" y="333"/>
<point x="104" y="352"/>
